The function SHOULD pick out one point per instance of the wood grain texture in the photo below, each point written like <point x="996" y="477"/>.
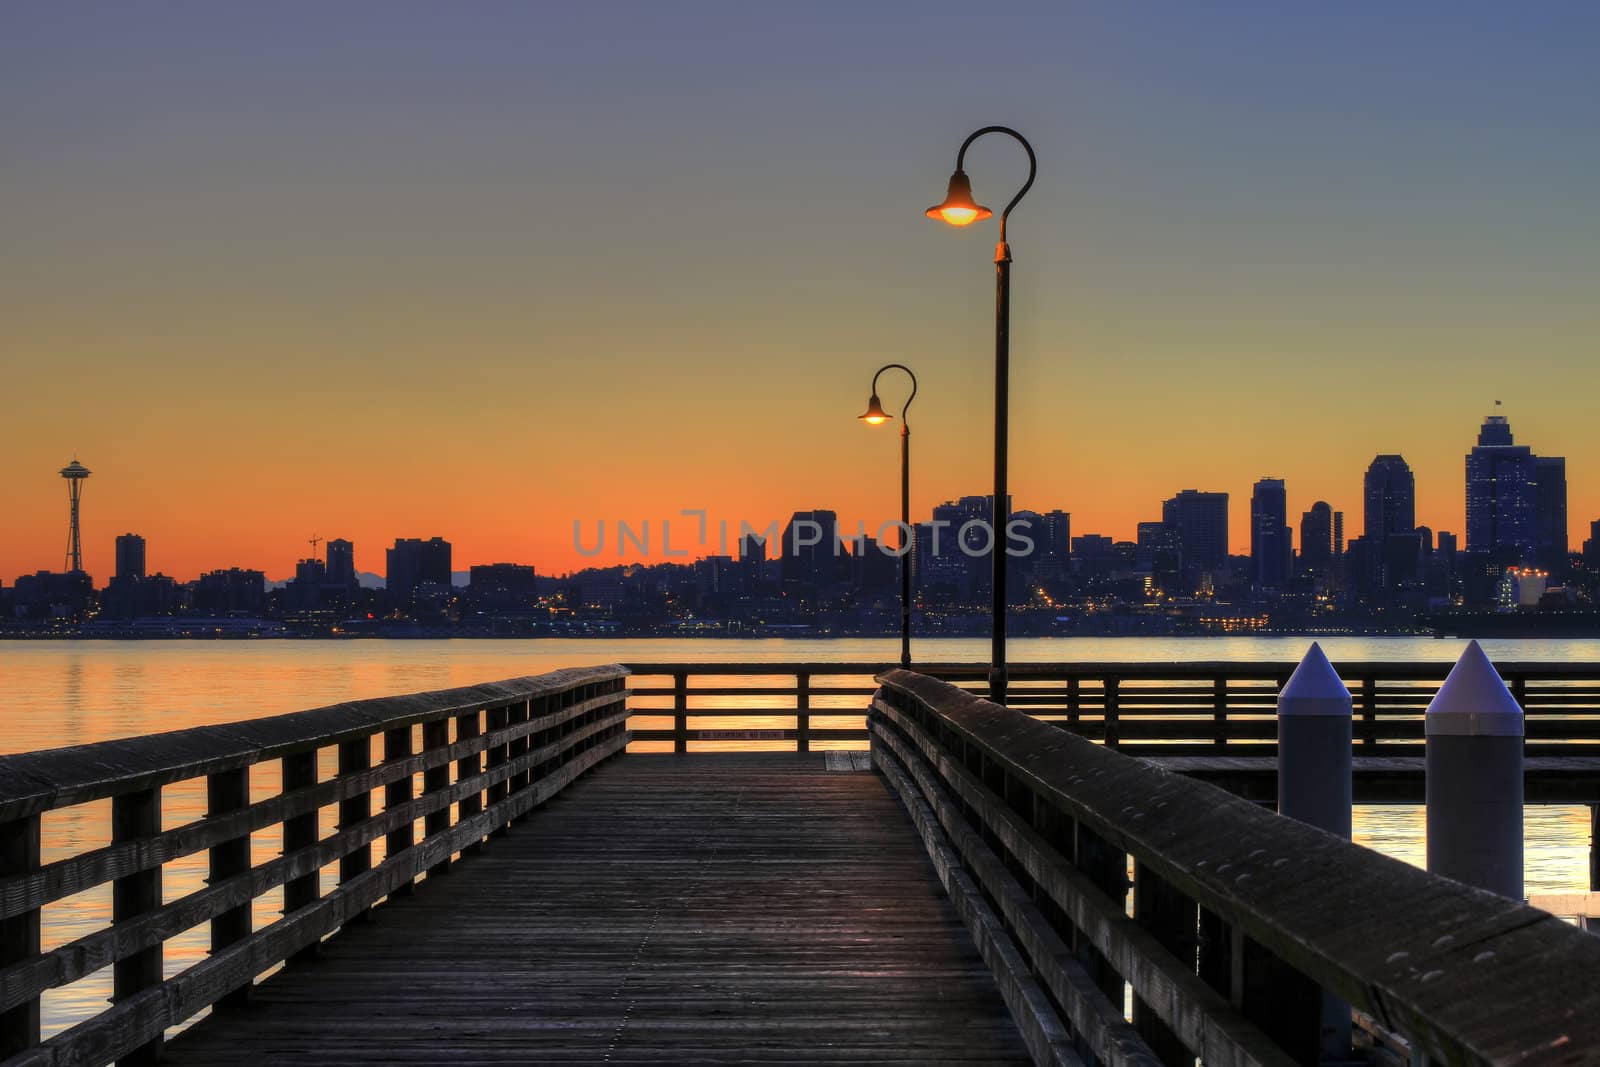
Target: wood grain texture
<point x="664" y="909"/>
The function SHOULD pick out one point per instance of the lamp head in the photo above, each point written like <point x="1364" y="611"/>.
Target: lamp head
<point x="959" y="209"/>
<point x="875" y="415"/>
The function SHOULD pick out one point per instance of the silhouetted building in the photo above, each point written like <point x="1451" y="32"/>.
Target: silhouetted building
<point x="811" y="557"/>
<point x="1550" y="514"/>
<point x="1502" y="496"/>
<point x="413" y="564"/>
<point x="341" y="566"/>
<point x="130" y="556"/>
<point x="1159" y="556"/>
<point x="1389" y="494"/>
<point x="235" y="591"/>
<point x="1316" y="540"/>
<point x="502" y="587"/>
<point x="1057" y="542"/>
<point x="46" y="595"/>
<point x="1199" y="523"/>
<point x="1591" y="548"/>
<point x="1270" y="542"/>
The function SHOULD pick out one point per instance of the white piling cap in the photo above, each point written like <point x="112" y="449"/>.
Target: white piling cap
<point x="1314" y="688"/>
<point x="1474" y="701"/>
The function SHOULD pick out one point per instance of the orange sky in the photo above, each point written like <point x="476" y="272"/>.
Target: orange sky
<point x="276" y="278"/>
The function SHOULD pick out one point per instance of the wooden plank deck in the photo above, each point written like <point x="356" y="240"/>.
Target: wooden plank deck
<point x="720" y="908"/>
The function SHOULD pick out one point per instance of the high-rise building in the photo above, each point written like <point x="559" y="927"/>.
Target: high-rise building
<point x="1591" y="547"/>
<point x="130" y="557"/>
<point x="811" y="554"/>
<point x="1502" y="496"/>
<point x="342" y="563"/>
<point x="1550" y="513"/>
<point x="1316" y="539"/>
<point x="1389" y="494"/>
<point x="413" y="563"/>
<point x="1199" y="523"/>
<point x="1270" y="541"/>
<point x="1057" y="535"/>
<point x="1338" y="534"/>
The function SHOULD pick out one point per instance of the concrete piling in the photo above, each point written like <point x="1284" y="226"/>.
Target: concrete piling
<point x="1473" y="783"/>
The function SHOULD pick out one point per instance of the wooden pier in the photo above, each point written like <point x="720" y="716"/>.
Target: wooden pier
<point x="764" y="909"/>
<point x="508" y="882"/>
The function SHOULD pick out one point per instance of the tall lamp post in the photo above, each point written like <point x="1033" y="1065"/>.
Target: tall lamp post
<point x="876" y="416"/>
<point x="959" y="209"/>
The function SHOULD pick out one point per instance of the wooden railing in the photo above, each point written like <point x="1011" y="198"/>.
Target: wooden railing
<point x="1241" y="919"/>
<point x="484" y="755"/>
<point x="1152" y="709"/>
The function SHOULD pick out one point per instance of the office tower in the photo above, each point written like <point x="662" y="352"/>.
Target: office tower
<point x="811" y="550"/>
<point x="1057" y="535"/>
<point x="75" y="473"/>
<point x="1199" y="523"/>
<point x="1269" y="534"/>
<point x="1158" y="554"/>
<point x="1591" y="547"/>
<point x="1390" y="498"/>
<point x="341" y="563"/>
<point x="413" y="563"/>
<point x="1338" y="534"/>
<point x="1502" y="496"/>
<point x="130" y="557"/>
<point x="1316" y="539"/>
<point x="1550" y="513"/>
<point x="753" y="559"/>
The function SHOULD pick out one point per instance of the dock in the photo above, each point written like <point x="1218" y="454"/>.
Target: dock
<point x="572" y="867"/>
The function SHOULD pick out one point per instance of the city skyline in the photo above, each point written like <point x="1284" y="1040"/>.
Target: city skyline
<point x="420" y="280"/>
<point x="700" y="535"/>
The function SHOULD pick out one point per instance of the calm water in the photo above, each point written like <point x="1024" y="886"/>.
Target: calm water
<point x="67" y="693"/>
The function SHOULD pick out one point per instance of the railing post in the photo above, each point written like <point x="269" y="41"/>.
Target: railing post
<point x="301" y="832"/>
<point x="1172" y="919"/>
<point x="1369" y="713"/>
<point x="355" y="757"/>
<point x="19" y="935"/>
<point x="518" y="714"/>
<point x="397" y="747"/>
<point x="1113" y="736"/>
<point x="1074" y="700"/>
<point x="136" y="815"/>
<point x="680" y="711"/>
<point x="498" y="719"/>
<point x="1594" y="848"/>
<point x="229" y="791"/>
<point x="1284" y="1003"/>
<point x="802" y="713"/>
<point x="435" y="780"/>
<point x="1219" y="711"/>
<point x="467" y="728"/>
<point x="1107" y="868"/>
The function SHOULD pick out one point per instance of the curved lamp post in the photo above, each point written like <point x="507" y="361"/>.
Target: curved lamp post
<point x="960" y="209"/>
<point x="876" y="416"/>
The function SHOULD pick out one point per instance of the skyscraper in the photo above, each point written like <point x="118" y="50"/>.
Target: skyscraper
<point x="1270" y="540"/>
<point x="341" y="563"/>
<point x="412" y="563"/>
<point x="1390" y="498"/>
<point x="1550" y="513"/>
<point x="130" y="557"/>
<point x="1199" y="522"/>
<point x="1316" y="539"/>
<point x="811" y="554"/>
<point x="1502" y="496"/>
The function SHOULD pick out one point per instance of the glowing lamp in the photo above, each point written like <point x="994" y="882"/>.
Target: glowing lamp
<point x="959" y="209"/>
<point x="875" y="415"/>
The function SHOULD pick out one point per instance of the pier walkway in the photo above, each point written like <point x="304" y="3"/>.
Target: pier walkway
<point x="666" y="909"/>
<point x="504" y="873"/>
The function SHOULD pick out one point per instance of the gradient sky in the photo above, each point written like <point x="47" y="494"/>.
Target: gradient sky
<point x="479" y="270"/>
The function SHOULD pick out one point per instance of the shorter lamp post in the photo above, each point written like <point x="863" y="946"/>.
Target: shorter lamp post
<point x="876" y="416"/>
